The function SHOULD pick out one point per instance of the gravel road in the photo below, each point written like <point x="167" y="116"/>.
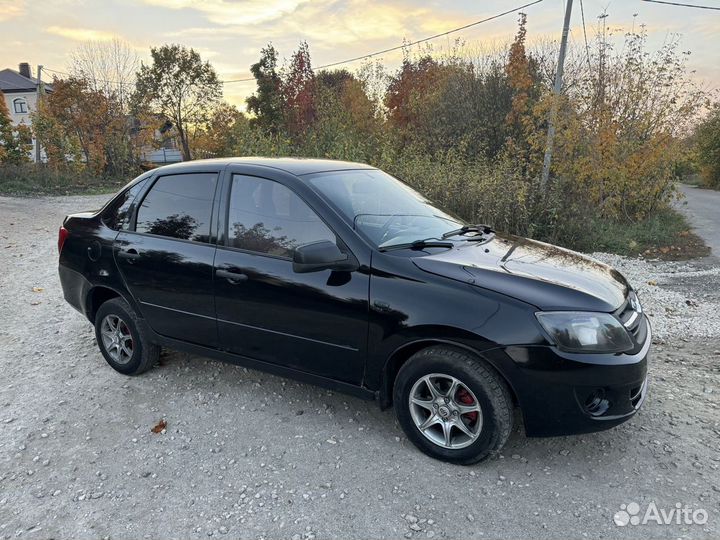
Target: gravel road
<point x="249" y="455"/>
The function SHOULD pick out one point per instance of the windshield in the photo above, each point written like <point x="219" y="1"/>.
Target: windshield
<point x="381" y="208"/>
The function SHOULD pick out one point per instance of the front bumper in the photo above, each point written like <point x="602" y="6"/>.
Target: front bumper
<point x="565" y="394"/>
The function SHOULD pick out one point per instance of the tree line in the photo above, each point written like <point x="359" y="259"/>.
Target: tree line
<point x="466" y="127"/>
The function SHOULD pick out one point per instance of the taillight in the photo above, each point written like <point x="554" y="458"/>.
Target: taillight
<point x="63" y="233"/>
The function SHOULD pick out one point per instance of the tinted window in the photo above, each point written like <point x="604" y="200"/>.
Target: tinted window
<point x="179" y="206"/>
<point x="117" y="215"/>
<point x="269" y="218"/>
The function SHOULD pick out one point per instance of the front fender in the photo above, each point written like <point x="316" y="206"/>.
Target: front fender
<point x="425" y="337"/>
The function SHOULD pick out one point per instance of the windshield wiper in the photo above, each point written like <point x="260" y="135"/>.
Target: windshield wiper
<point x="418" y="244"/>
<point x="482" y="229"/>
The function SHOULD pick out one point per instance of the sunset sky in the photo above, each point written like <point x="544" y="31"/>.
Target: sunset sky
<point x="230" y="33"/>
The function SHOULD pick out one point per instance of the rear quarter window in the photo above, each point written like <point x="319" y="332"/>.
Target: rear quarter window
<point x="117" y="215"/>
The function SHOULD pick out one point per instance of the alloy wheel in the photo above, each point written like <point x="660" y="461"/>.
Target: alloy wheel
<point x="117" y="339"/>
<point x="445" y="411"/>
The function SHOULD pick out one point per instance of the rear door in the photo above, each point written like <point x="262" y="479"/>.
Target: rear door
<point x="167" y="258"/>
<point x="315" y="322"/>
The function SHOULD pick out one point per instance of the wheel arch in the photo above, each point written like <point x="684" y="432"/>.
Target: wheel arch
<point x="403" y="353"/>
<point x="97" y="296"/>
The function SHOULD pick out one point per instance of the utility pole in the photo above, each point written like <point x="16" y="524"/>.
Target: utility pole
<point x="556" y="93"/>
<point x="40" y="90"/>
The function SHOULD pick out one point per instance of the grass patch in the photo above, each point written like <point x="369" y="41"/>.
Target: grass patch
<point x="31" y="181"/>
<point x="665" y="235"/>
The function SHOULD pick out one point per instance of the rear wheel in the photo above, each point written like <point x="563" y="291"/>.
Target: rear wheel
<point x="121" y="340"/>
<point x="452" y="406"/>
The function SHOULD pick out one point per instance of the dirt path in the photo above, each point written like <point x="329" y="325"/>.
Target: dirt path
<point x="702" y="208"/>
<point x="254" y="456"/>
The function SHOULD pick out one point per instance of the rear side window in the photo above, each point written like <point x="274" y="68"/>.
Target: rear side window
<point x="267" y="217"/>
<point x="117" y="215"/>
<point x="179" y="206"/>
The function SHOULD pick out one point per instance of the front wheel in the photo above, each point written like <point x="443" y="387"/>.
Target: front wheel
<point x="452" y="406"/>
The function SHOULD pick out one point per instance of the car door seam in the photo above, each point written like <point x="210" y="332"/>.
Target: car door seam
<point x="348" y="347"/>
<point x="177" y="310"/>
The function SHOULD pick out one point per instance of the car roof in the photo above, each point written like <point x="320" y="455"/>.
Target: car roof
<point x="292" y="165"/>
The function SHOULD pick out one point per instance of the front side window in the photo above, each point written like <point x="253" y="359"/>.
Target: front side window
<point x="382" y="208"/>
<point x="267" y="217"/>
<point x="20" y="106"/>
<point x="117" y="214"/>
<point x="179" y="206"/>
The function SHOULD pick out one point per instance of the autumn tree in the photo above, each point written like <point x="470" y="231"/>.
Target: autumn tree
<point x="267" y="103"/>
<point x="15" y="141"/>
<point x="521" y="73"/>
<point x="450" y="103"/>
<point x="346" y="125"/>
<point x="72" y="123"/>
<point x="298" y="92"/>
<point x="179" y="86"/>
<point x="413" y="82"/>
<point x="109" y="68"/>
<point x="222" y="132"/>
<point x="352" y="96"/>
<point x="619" y="131"/>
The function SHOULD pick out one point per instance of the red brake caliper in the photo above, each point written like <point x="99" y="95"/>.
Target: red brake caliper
<point x="464" y="397"/>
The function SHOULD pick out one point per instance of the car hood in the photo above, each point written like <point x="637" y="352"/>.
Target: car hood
<point x="546" y="276"/>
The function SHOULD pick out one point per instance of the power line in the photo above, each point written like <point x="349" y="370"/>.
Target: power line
<point x="423" y="40"/>
<point x="105" y="81"/>
<point x="363" y="57"/>
<point x="682" y="5"/>
<point x="56" y="71"/>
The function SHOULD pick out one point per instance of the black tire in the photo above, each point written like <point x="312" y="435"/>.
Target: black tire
<point x="144" y="354"/>
<point x="490" y="390"/>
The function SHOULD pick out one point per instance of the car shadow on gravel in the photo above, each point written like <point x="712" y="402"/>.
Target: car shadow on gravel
<point x="272" y="394"/>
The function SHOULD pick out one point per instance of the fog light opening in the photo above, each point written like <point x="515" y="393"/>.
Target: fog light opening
<point x="595" y="403"/>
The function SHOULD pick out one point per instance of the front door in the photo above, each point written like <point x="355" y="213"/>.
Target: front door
<point x="167" y="261"/>
<point x="315" y="322"/>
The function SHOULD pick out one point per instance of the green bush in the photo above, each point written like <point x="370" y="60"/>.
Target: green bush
<point x="707" y="138"/>
<point x="30" y="180"/>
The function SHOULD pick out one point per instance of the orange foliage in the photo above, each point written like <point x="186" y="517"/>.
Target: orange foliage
<point x="83" y="116"/>
<point x="15" y="141"/>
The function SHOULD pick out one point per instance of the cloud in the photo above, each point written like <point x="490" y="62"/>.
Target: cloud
<point x="81" y="34"/>
<point x="361" y="21"/>
<point x="234" y="12"/>
<point x="332" y="23"/>
<point x="9" y="9"/>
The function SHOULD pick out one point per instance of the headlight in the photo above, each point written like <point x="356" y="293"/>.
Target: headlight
<point x="587" y="332"/>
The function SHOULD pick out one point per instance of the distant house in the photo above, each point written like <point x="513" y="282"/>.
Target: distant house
<point x="21" y="93"/>
<point x="20" y="89"/>
<point x="166" y="148"/>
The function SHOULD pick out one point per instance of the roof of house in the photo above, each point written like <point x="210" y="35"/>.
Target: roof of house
<point x="12" y="82"/>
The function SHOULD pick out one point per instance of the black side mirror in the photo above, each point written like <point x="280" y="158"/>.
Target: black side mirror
<point x="323" y="255"/>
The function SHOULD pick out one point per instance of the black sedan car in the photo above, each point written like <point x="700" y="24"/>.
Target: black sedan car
<point x="338" y="274"/>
